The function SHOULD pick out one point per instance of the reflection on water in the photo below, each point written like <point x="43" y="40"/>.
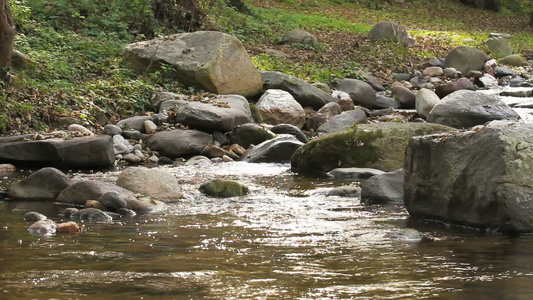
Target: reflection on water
<point x="267" y="245"/>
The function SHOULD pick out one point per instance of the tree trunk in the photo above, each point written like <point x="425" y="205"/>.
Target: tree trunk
<point x="7" y="35"/>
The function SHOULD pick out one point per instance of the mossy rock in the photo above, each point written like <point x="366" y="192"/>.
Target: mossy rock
<point x="379" y="146"/>
<point x="223" y="188"/>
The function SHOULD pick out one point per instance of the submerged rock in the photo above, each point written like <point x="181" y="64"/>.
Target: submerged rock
<point x="43" y="228"/>
<point x="91" y="214"/>
<point x="33" y="216"/>
<point x="383" y="188"/>
<point x="223" y="188"/>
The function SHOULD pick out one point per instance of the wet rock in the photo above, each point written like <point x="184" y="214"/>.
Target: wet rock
<point x="127" y="213"/>
<point x="280" y="107"/>
<point x="344" y="121"/>
<point x="44" y="184"/>
<point x="154" y="183"/>
<point x="354" y="173"/>
<point x="213" y="151"/>
<point x="43" y="228"/>
<point x="223" y="188"/>
<point x="226" y="158"/>
<point x="345" y="191"/>
<point x="425" y="101"/>
<point x="361" y="92"/>
<point x="478" y="178"/>
<point x="197" y="59"/>
<point x="94" y="204"/>
<point x="91" y="215"/>
<point x="113" y="200"/>
<point x="404" y="235"/>
<point x="7" y="168"/>
<point x="465" y="58"/>
<point x="288" y="129"/>
<point x="379" y="145"/>
<point x="250" y="134"/>
<point x="68" y="227"/>
<point x="298" y="36"/>
<point x="278" y="149"/>
<point x="306" y="94"/>
<point x="198" y="160"/>
<point x="464" y="109"/>
<point x="32" y="216"/>
<point x="69" y="211"/>
<point x="383" y="188"/>
<point x="81" y="191"/>
<point x="178" y="142"/>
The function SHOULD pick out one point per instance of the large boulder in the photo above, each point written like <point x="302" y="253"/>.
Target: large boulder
<point x="379" y="146"/>
<point x="45" y="184"/>
<point x="465" y="58"/>
<point x="280" y="107"/>
<point x="214" y="61"/>
<point x="154" y="183"/>
<point x="279" y="149"/>
<point x="361" y="92"/>
<point x="305" y="93"/>
<point x="222" y="113"/>
<point x="344" y="121"/>
<point x="463" y="109"/>
<point x="391" y="31"/>
<point x="478" y="178"/>
<point x="82" y="152"/>
<point x="178" y="142"/>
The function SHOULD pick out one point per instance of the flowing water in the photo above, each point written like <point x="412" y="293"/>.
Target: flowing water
<point x="285" y="240"/>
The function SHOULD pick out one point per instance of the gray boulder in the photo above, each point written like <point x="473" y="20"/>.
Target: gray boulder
<point x="154" y="183"/>
<point x="478" y="178"/>
<point x="383" y="188"/>
<point x="298" y="36"/>
<point x="344" y="121"/>
<point x="45" y="184"/>
<point x="278" y="149"/>
<point x="83" y="152"/>
<point x="280" y="107"/>
<point x="305" y="93"/>
<point x="113" y="200"/>
<point x="213" y="61"/>
<point x="425" y="101"/>
<point x="464" y="109"/>
<point x="250" y="134"/>
<point x="391" y="31"/>
<point x="178" y="142"/>
<point x="361" y="92"/>
<point x="222" y="113"/>
<point x="499" y="47"/>
<point x="464" y="59"/>
<point x="135" y="123"/>
<point x="378" y="145"/>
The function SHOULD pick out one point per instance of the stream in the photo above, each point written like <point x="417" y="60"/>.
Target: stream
<point x="285" y="240"/>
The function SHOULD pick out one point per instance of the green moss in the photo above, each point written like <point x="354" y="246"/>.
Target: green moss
<point x="223" y="188"/>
